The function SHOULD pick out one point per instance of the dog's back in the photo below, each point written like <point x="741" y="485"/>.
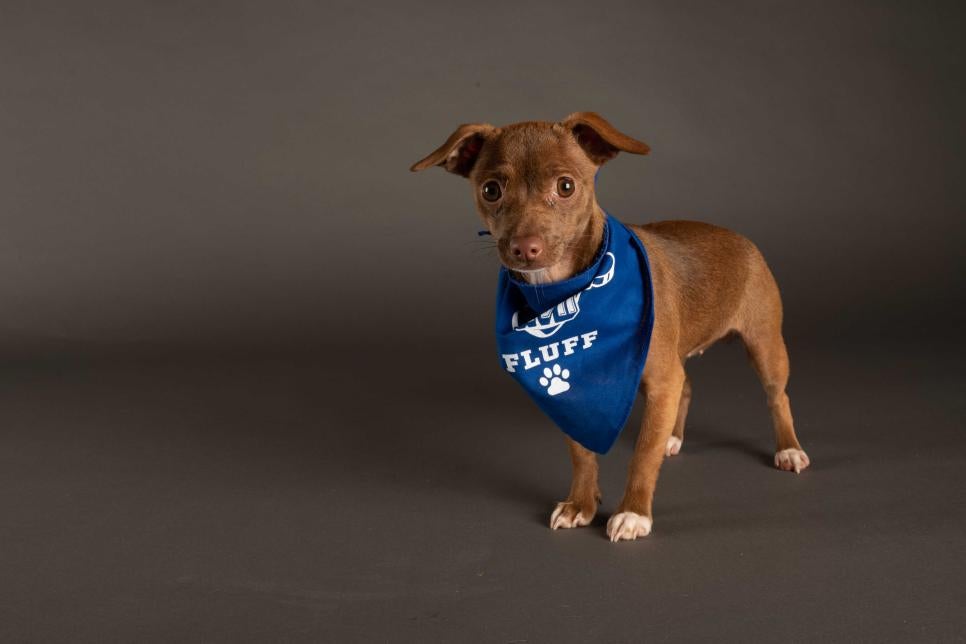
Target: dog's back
<point x="705" y="274"/>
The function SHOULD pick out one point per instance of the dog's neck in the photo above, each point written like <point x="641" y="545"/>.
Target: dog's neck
<point x="578" y="256"/>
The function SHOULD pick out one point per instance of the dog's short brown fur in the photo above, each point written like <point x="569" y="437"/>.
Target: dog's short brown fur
<point x="708" y="283"/>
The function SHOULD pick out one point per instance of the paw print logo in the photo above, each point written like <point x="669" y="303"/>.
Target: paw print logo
<point x="555" y="380"/>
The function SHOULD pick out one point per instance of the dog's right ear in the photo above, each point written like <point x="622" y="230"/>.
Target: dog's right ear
<point x="459" y="153"/>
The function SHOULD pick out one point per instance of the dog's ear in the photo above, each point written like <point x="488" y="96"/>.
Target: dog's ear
<point x="599" y="139"/>
<point x="460" y="151"/>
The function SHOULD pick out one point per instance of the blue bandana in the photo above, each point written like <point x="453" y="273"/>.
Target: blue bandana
<point x="578" y="346"/>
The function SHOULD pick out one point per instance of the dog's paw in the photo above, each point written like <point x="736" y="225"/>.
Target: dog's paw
<point x="628" y="526"/>
<point x="673" y="446"/>
<point x="791" y="460"/>
<point x="568" y="514"/>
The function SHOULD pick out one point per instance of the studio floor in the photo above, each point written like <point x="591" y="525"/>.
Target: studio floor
<point x="340" y="497"/>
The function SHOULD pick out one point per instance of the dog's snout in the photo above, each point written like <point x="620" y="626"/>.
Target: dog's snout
<point x="526" y="248"/>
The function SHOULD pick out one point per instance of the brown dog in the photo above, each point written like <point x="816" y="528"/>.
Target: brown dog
<point x="533" y="184"/>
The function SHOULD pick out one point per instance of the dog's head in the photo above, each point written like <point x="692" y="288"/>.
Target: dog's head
<point x="533" y="184"/>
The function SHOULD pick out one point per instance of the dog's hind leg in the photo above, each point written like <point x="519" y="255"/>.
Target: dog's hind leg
<point x="759" y="323"/>
<point x="581" y="504"/>
<point x="766" y="348"/>
<point x="677" y="434"/>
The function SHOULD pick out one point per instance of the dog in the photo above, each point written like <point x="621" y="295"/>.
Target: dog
<point x="534" y="190"/>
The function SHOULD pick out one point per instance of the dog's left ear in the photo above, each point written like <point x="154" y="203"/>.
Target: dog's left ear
<point x="458" y="154"/>
<point x="599" y="139"/>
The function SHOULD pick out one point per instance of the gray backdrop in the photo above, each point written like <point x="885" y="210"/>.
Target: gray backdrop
<point x="237" y="172"/>
<point x="248" y="390"/>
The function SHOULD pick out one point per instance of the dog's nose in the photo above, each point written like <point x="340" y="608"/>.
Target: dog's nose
<point x="526" y="248"/>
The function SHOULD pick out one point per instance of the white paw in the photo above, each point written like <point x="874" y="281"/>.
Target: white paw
<point x="791" y="459"/>
<point x="673" y="446"/>
<point x="628" y="526"/>
<point x="564" y="517"/>
<point x="555" y="380"/>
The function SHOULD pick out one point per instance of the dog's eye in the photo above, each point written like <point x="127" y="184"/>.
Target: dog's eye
<point x="565" y="186"/>
<point x="491" y="191"/>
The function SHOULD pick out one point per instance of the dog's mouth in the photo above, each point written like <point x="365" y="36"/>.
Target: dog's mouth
<point x="545" y="262"/>
<point x="536" y="270"/>
<point x="536" y="275"/>
<point x="527" y="268"/>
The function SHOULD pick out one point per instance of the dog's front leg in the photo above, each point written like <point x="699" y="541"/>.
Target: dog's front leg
<point x="633" y="518"/>
<point x="581" y="504"/>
